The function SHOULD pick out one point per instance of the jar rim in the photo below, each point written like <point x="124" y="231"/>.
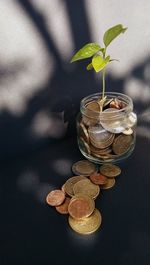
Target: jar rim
<point x="127" y="109"/>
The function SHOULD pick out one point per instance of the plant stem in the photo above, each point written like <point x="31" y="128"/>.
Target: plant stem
<point x="103" y="77"/>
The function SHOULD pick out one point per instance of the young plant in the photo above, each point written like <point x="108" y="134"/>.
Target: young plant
<point x="99" y="57"/>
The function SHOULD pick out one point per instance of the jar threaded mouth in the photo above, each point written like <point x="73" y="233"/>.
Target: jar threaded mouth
<point x="115" y="113"/>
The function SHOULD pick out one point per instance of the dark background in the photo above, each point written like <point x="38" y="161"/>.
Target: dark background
<point x="32" y="232"/>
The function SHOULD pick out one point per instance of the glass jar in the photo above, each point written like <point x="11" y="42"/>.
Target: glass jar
<point x="108" y="133"/>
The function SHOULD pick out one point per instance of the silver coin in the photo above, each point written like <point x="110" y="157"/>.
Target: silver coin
<point x="113" y="121"/>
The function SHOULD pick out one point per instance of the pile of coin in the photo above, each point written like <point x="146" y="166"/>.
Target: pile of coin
<point x="106" y="132"/>
<point x="78" y="194"/>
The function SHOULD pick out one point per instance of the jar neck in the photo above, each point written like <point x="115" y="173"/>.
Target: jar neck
<point x="128" y="108"/>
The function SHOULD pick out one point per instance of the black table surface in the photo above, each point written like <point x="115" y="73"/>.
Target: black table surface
<point x="34" y="233"/>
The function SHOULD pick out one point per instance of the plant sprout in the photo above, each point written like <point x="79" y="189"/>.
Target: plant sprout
<point x="99" y="57"/>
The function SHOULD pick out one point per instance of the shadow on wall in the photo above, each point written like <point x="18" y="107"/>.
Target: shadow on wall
<point x="50" y="113"/>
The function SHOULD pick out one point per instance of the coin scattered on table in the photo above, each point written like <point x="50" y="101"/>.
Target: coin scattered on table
<point x="98" y="179"/>
<point x="81" y="206"/>
<point x="68" y="186"/>
<point x="110" y="183"/>
<point x="63" y="208"/>
<point x="110" y="170"/>
<point x="85" y="186"/>
<point x="84" y="167"/>
<point x="55" y="197"/>
<point x="82" y="191"/>
<point x="87" y="225"/>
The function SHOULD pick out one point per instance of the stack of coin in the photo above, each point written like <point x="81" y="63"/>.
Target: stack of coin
<point x="108" y="134"/>
<point x="78" y="194"/>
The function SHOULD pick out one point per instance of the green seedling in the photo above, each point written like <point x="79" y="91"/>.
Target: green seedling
<point x="98" y="54"/>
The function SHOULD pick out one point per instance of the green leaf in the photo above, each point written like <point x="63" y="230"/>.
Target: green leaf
<point x="89" y="66"/>
<point x="112" y="33"/>
<point x="86" y="51"/>
<point x="99" y="62"/>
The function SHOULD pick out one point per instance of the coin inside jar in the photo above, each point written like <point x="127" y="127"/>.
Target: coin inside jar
<point x="93" y="105"/>
<point x="81" y="206"/>
<point x="85" y="146"/>
<point x="99" y="137"/>
<point x="83" y="132"/>
<point x="113" y="121"/>
<point x="128" y="131"/>
<point x="131" y="120"/>
<point x="122" y="144"/>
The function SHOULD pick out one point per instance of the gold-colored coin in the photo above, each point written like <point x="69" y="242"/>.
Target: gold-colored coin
<point x="87" y="225"/>
<point x="109" y="184"/>
<point x="81" y="206"/>
<point x="93" y="105"/>
<point x="122" y="144"/>
<point x="85" y="186"/>
<point x="84" y="168"/>
<point x="83" y="132"/>
<point x="85" y="145"/>
<point x="110" y="170"/>
<point x="128" y="131"/>
<point x="88" y="121"/>
<point x="68" y="186"/>
<point x="99" y="151"/>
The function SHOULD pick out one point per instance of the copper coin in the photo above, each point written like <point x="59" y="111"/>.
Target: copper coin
<point x="68" y="186"/>
<point x="110" y="170"/>
<point x="84" y="168"/>
<point x="115" y="104"/>
<point x="81" y="206"/>
<point x="55" y="197"/>
<point x="63" y="208"/>
<point x="122" y="144"/>
<point x="110" y="183"/>
<point x="98" y="179"/>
